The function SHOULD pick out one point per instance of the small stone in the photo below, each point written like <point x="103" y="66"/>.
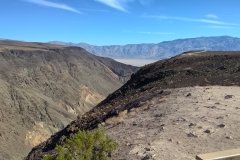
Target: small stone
<point x="192" y="124"/>
<point x="146" y="157"/>
<point x="170" y="139"/>
<point x="188" y="95"/>
<point x="134" y="124"/>
<point x="128" y="144"/>
<point x="192" y="134"/>
<point x="79" y="116"/>
<point x="178" y="142"/>
<point x="158" y="115"/>
<point x="213" y="107"/>
<point x="228" y="96"/>
<point x="220" y="117"/>
<point x="207" y="131"/>
<point x="147" y="149"/>
<point x="229" y="137"/>
<point x="221" y="125"/>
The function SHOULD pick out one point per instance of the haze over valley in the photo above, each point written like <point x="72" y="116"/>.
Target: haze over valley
<point x="142" y="54"/>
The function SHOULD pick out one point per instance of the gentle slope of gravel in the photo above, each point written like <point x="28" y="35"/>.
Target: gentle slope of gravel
<point x="189" y="121"/>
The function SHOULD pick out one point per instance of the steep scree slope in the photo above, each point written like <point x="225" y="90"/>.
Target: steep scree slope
<point x="44" y="87"/>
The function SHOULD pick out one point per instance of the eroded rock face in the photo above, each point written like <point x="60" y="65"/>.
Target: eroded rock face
<point x="44" y="87"/>
<point x="38" y="134"/>
<point x="186" y="70"/>
<point x="89" y="96"/>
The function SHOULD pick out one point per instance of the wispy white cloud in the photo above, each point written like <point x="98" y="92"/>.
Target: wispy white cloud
<point x="93" y="10"/>
<point x="122" y="4"/>
<point x="212" y="16"/>
<point x="155" y="32"/>
<point x="52" y="4"/>
<point x="117" y="4"/>
<point x="222" y="27"/>
<point x="190" y="20"/>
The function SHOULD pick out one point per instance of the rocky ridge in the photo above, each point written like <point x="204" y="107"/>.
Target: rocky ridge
<point x="197" y="68"/>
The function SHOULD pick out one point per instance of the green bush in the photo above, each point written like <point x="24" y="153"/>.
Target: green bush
<point x="85" y="145"/>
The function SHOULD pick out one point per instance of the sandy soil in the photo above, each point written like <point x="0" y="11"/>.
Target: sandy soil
<point x="188" y="122"/>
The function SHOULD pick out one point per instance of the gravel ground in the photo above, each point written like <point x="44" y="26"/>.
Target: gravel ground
<point x="185" y="123"/>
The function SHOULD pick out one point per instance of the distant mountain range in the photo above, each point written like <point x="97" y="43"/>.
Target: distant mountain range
<point x="161" y="50"/>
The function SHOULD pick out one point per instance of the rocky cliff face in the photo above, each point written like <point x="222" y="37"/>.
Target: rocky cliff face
<point x="162" y="50"/>
<point x="197" y="68"/>
<point x="44" y="87"/>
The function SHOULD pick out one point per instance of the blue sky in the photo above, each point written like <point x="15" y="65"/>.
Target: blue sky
<point x="117" y="22"/>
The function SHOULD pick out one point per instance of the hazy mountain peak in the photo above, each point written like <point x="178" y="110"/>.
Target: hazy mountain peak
<point x="164" y="49"/>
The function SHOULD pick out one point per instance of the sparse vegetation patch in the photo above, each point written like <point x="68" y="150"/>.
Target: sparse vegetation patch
<point x="85" y="145"/>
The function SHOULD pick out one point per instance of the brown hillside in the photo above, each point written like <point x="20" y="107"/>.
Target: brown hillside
<point x="44" y="87"/>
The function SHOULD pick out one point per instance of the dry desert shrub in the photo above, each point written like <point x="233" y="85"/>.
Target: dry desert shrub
<point x="146" y="108"/>
<point x="133" y="113"/>
<point x="136" y="110"/>
<point x="118" y="120"/>
<point x="114" y="121"/>
<point x="161" y="100"/>
<point x="108" y="121"/>
<point x="152" y="102"/>
<point x="132" y="109"/>
<point x="123" y="114"/>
